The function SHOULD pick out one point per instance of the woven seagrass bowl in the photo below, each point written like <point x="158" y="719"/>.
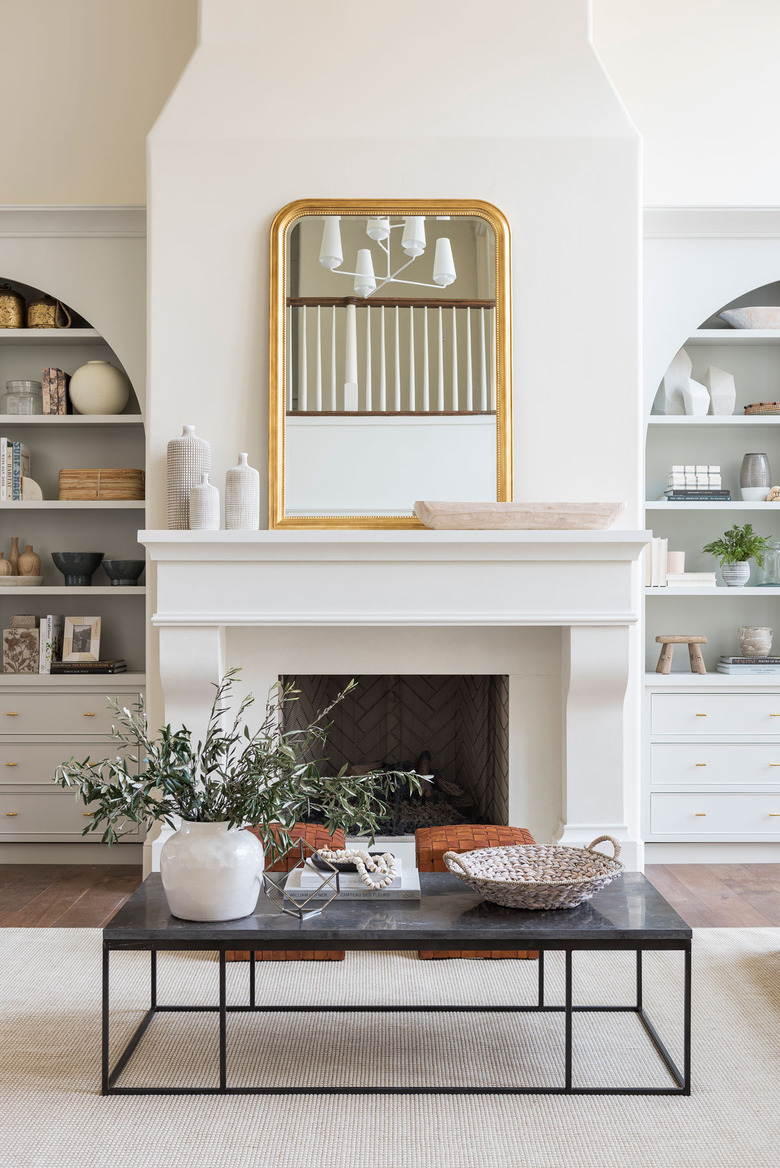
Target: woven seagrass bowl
<point x="537" y="876"/>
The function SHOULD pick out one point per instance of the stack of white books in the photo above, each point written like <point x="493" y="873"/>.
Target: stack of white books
<point x="691" y="579"/>
<point x="748" y="666"/>
<point x="306" y="881"/>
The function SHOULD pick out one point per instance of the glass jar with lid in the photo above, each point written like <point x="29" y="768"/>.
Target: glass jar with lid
<point x="23" y="397"/>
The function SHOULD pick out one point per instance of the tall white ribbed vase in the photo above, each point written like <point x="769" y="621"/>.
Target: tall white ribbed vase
<point x="204" y="506"/>
<point x="189" y="457"/>
<point x="242" y="497"/>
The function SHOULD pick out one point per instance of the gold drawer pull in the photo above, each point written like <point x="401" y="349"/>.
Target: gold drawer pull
<point x="89" y="715"/>
<point x="774" y="814"/>
<point x="11" y="814"/>
<point x="12" y="713"/>
<point x="700" y="814"/>
<point x="774" y="715"/>
<point x="12" y="764"/>
<point x="701" y="715"/>
<point x="774" y="764"/>
<point x="700" y="764"/>
<point x="87" y="814"/>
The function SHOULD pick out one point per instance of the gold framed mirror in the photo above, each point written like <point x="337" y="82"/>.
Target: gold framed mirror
<point x="390" y="360"/>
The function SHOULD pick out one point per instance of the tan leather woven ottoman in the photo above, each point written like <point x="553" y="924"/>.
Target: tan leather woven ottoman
<point x="430" y="845"/>
<point x="316" y="836"/>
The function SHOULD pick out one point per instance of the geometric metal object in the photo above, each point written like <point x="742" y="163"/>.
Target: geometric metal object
<point x="274" y="885"/>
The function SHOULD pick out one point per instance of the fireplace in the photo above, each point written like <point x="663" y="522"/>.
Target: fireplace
<point x="453" y="728"/>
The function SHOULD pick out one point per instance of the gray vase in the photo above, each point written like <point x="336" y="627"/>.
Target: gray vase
<point x="755" y="471"/>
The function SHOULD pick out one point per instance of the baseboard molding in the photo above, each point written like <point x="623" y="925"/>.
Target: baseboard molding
<point x="78" y="853"/>
<point x="703" y="853"/>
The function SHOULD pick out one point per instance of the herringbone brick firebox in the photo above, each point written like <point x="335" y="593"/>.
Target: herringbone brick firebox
<point x="455" y="726"/>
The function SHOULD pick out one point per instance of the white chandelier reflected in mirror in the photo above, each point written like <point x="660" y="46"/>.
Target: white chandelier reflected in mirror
<point x="379" y="230"/>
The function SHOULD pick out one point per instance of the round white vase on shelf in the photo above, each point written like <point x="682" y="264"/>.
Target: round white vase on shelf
<point x="99" y="388"/>
<point x="242" y="497"/>
<point x="736" y="575"/>
<point x="204" y="506"/>
<point x="189" y="458"/>
<point x="211" y="872"/>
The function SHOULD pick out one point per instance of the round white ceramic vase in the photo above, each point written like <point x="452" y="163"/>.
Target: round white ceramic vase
<point x="99" y="388"/>
<point x="736" y="575"/>
<point x="211" y="872"/>
<point x="242" y="497"/>
<point x="204" y="506"/>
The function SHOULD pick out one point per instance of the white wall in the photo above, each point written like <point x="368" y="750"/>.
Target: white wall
<point x="699" y="78"/>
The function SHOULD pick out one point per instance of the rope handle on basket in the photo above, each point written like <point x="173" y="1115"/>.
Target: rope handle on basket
<point x="600" y="839"/>
<point x="453" y="860"/>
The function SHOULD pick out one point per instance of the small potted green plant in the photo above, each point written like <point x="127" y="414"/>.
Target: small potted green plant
<point x="209" y="791"/>
<point x="734" y="548"/>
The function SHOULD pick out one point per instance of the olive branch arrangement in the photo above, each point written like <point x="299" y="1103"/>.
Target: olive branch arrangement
<point x="247" y="779"/>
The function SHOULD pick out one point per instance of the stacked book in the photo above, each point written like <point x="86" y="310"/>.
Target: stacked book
<point x="14" y="466"/>
<point x="658" y="573"/>
<point x="691" y="579"/>
<point x="118" y="665"/>
<point x="55" y="391"/>
<point x="748" y="665"/>
<point x="695" y="483"/>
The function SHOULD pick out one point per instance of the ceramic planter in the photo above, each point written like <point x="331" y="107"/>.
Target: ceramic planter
<point x="211" y="872"/>
<point x="736" y="575"/>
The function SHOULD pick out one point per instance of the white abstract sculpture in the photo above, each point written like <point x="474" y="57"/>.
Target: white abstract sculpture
<point x="723" y="392"/>
<point x="669" y="399"/>
<point x="696" y="398"/>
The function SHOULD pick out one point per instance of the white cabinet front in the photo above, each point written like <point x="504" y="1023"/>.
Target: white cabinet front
<point x="708" y="714"/>
<point x="715" y="764"/>
<point x="730" y="816"/>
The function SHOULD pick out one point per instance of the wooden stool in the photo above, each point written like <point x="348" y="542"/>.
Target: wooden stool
<point x="694" y="652"/>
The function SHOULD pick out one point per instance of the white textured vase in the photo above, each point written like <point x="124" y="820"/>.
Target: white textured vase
<point x="99" y="388"/>
<point x="189" y="458"/>
<point x="736" y="575"/>
<point x="204" y="506"/>
<point x="242" y="497"/>
<point x="211" y="873"/>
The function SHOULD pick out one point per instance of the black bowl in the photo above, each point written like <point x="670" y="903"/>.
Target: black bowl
<point x="77" y="567"/>
<point x="328" y="866"/>
<point x="123" y="572"/>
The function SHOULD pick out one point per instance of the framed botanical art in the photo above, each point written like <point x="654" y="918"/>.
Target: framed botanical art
<point x="81" y="641"/>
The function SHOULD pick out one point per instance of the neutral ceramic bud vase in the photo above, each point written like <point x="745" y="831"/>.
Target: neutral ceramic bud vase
<point x="204" y="506"/>
<point x="13" y="556"/>
<point x="189" y="457"/>
<point x="242" y="497"/>
<point x="29" y="562"/>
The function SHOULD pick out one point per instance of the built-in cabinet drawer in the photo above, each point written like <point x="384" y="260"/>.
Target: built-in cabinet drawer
<point x="53" y="816"/>
<point x="35" y="762"/>
<point x="715" y="764"/>
<point x="687" y="815"/>
<point x="711" y="714"/>
<point x="33" y="715"/>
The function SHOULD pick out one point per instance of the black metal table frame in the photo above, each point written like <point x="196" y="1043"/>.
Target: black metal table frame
<point x="682" y="1079"/>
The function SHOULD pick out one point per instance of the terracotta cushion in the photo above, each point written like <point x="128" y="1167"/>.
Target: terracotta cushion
<point x="430" y="845"/>
<point x="316" y="836"/>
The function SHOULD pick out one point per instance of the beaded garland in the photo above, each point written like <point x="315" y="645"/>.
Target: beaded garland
<point x="383" y="865"/>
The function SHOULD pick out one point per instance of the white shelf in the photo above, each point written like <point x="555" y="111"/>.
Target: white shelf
<point x="64" y="590"/>
<point x="730" y="505"/>
<point x="72" y="420"/>
<point x="707" y="420"/>
<point x="728" y="336"/>
<point x="75" y="505"/>
<point x="711" y="680"/>
<point x="78" y="680"/>
<point x="74" y="336"/>
<point x="769" y="592"/>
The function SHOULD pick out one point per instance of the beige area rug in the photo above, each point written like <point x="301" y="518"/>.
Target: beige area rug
<point x="51" y="1115"/>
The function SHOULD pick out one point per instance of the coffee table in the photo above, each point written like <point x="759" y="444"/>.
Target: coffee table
<point x="627" y="915"/>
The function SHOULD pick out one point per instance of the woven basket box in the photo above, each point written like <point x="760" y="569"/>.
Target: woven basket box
<point x="102" y="484"/>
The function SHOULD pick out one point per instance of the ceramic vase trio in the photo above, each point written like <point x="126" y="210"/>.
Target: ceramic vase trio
<point x="193" y="500"/>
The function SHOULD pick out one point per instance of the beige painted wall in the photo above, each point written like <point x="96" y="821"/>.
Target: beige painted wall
<point x="83" y="82"/>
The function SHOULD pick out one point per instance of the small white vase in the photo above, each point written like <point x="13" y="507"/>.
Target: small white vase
<point x="736" y="575"/>
<point x="99" y="388"/>
<point x="242" y="497"/>
<point x="204" y="506"/>
<point x="188" y="458"/>
<point x="211" y="873"/>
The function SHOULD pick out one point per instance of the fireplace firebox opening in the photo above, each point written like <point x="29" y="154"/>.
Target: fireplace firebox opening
<point x="454" y="728"/>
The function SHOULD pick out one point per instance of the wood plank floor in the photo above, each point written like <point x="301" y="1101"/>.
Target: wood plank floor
<point x="87" y="896"/>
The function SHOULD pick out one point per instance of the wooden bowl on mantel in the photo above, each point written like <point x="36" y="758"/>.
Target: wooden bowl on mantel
<point x="517" y="516"/>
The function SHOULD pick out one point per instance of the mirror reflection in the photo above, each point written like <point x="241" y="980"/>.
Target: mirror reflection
<point x="390" y="362"/>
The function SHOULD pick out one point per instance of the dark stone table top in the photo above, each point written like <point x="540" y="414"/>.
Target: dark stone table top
<point x="448" y="916"/>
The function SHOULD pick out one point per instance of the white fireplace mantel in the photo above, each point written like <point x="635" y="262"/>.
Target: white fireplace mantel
<point x="584" y="582"/>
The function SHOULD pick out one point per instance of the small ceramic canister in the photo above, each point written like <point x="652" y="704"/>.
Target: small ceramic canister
<point x="204" y="506"/>
<point x="755" y="641"/>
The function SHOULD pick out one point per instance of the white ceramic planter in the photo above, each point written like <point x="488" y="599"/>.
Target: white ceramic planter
<point x="736" y="575"/>
<point x="210" y="873"/>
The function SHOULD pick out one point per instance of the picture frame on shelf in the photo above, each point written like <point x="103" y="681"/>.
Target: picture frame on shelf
<point x="81" y="640"/>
